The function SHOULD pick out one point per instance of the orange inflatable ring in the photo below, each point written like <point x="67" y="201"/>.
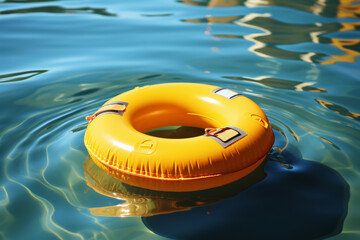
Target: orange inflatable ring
<point x="236" y="140"/>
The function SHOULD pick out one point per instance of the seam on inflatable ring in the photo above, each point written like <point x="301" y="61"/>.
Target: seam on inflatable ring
<point x="161" y="177"/>
<point x="143" y="175"/>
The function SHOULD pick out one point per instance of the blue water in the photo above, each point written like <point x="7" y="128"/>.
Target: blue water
<point x="298" y="60"/>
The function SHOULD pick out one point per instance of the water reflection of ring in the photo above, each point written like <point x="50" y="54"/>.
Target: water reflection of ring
<point x="237" y="137"/>
<point x="139" y="202"/>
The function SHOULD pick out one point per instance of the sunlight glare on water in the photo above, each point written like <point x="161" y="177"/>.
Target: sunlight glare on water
<point x="61" y="60"/>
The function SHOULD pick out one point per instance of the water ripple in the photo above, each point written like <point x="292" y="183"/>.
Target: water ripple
<point x="20" y="76"/>
<point x="281" y="83"/>
<point x="46" y="153"/>
<point x="298" y="60"/>
<point x="27" y="1"/>
<point x="57" y="9"/>
<point x="268" y="44"/>
<point x="339" y="109"/>
<point x="327" y="8"/>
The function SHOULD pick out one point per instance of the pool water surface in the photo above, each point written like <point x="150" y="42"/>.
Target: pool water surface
<point x="298" y="60"/>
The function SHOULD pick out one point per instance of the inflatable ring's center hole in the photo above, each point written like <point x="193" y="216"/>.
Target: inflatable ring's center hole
<point x="176" y="132"/>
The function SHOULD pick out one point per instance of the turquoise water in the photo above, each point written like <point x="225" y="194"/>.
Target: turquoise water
<point x="61" y="60"/>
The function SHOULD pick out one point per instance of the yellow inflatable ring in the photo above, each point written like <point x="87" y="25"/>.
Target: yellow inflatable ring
<point x="237" y="138"/>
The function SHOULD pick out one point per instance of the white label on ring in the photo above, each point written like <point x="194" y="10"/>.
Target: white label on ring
<point x="226" y="93"/>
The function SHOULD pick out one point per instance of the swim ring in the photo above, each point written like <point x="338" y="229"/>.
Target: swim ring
<point x="235" y="142"/>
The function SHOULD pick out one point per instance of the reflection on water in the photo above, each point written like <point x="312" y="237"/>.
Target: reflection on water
<point x="268" y="44"/>
<point x="56" y="9"/>
<point x="27" y="1"/>
<point x="281" y="83"/>
<point x="327" y="8"/>
<point x="339" y="109"/>
<point x="213" y="3"/>
<point x="350" y="47"/>
<point x="138" y="202"/>
<point x="157" y="15"/>
<point x="19" y="76"/>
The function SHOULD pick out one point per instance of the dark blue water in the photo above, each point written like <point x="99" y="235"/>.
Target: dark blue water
<point x="298" y="60"/>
